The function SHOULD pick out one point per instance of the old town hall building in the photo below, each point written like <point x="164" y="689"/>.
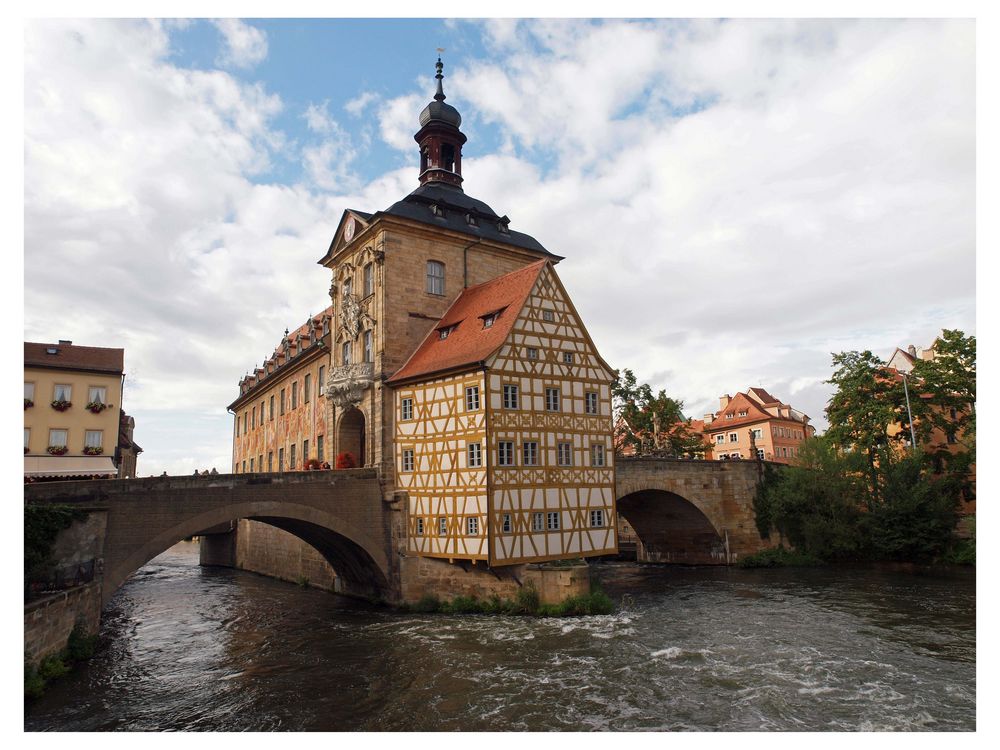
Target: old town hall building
<point x="452" y="360"/>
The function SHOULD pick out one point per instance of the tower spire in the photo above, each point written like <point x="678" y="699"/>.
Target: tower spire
<point x="439" y="96"/>
<point x="440" y="138"/>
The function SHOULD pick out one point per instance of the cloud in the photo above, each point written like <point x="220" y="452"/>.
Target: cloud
<point x="358" y="105"/>
<point x="244" y="46"/>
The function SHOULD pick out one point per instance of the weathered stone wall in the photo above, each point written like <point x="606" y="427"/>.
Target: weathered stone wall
<point x="261" y="548"/>
<point x="554" y="584"/>
<point x="49" y="620"/>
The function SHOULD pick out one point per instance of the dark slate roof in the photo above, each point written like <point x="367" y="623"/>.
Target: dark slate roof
<point x="456" y="207"/>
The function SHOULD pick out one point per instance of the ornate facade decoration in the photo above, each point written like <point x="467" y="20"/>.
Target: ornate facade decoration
<point x="347" y="384"/>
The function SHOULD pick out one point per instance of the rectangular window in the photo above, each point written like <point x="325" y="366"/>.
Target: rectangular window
<point x="306" y="388"/>
<point x="475" y="454"/>
<point x="435" y="277"/>
<point x="538" y="522"/>
<point x="597" y="518"/>
<point x="295" y="395"/>
<point x="27" y="438"/>
<point x="552" y="521"/>
<point x="244" y="466"/>
<point x="506" y="524"/>
<point x="260" y="462"/>
<point x="319" y="447"/>
<point x="743" y="413"/>
<point x="408" y="459"/>
<point x="253" y="418"/>
<point x="281" y="402"/>
<point x="57" y="438"/>
<point x="597" y="455"/>
<point x="720" y="439"/>
<point x="548" y="316"/>
<point x="760" y="453"/>
<point x="407" y="408"/>
<point x="472" y="398"/>
<point x="321" y="385"/>
<point x="245" y="423"/>
<point x="488" y="321"/>
<point x="93" y="439"/>
<point x="505" y="453"/>
<point x="420" y="527"/>
<point x="369" y="355"/>
<point x="29" y="391"/>
<point x="532" y="353"/>
<point x="565" y="454"/>
<point x="758" y="434"/>
<point x="473" y="526"/>
<point x="281" y="459"/>
<point x="305" y="452"/>
<point x="97" y="395"/>
<point x="952" y="440"/>
<point x="291" y="457"/>
<point x="530" y="452"/>
<point x="552" y="399"/>
<point x="510" y="397"/>
<point x="272" y="408"/>
<point x="261" y="413"/>
<point x="567" y="358"/>
<point x="369" y="280"/>
<point x="733" y="437"/>
<point x="251" y="466"/>
<point x="270" y="461"/>
<point x="62" y="392"/>
<point x="345" y="353"/>
<point x="590" y="405"/>
<point x="442" y="526"/>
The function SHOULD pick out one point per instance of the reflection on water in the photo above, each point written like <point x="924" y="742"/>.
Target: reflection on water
<point x="194" y="648"/>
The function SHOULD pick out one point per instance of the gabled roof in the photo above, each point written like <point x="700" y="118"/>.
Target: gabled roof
<point x="763" y="396"/>
<point x="67" y="356"/>
<point x="468" y="342"/>
<point x="739" y="402"/>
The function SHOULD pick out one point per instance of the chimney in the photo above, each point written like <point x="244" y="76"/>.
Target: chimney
<point x="64" y="342"/>
<point x="723" y="401"/>
<point x="708" y="419"/>
<point x="912" y="350"/>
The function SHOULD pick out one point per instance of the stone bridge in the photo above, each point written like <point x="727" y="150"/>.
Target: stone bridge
<point x="690" y="512"/>
<point x="341" y="514"/>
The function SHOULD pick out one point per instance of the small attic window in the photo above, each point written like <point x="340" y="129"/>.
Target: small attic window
<point x="488" y="320"/>
<point x="445" y="332"/>
<point x="471" y="220"/>
<point x="729" y="415"/>
<point x="502" y="226"/>
<point x="743" y="413"/>
<point x="437" y="210"/>
<point x="51" y="350"/>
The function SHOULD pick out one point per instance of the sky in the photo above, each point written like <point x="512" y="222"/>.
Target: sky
<point x="735" y="200"/>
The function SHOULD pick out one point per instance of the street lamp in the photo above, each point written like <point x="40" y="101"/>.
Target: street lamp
<point x="909" y="414"/>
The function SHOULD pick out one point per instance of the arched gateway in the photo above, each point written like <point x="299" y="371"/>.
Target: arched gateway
<point x="340" y="514"/>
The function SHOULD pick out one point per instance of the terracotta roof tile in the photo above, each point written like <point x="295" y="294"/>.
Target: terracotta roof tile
<point x="72" y="357"/>
<point x="468" y="342"/>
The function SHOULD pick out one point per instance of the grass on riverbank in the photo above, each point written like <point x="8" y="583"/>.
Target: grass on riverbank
<point x="525" y="603"/>
<point x="779" y="557"/>
<point x="80" y="647"/>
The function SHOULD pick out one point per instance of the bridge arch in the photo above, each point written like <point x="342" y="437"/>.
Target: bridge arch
<point x="672" y="529"/>
<point x="356" y="559"/>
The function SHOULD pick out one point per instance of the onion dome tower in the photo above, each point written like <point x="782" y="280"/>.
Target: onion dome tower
<point x="440" y="139"/>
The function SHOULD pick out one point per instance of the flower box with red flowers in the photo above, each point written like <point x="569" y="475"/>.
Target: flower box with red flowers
<point x="96" y="407"/>
<point x="28" y="403"/>
<point x="57" y="450"/>
<point x="61" y="405"/>
<point x="93" y="450"/>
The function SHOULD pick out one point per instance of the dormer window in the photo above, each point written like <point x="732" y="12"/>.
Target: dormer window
<point x="488" y="321"/>
<point x="729" y="415"/>
<point x="51" y="350"/>
<point x="471" y="220"/>
<point x="502" y="226"/>
<point x="437" y="210"/>
<point x="445" y="332"/>
<point x="743" y="413"/>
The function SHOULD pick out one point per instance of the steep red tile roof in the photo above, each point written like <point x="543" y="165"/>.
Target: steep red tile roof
<point x="764" y="396"/>
<point x="469" y="342"/>
<point x="755" y="413"/>
<point x="71" y="357"/>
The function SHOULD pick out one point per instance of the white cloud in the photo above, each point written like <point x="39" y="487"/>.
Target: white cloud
<point x="244" y="46"/>
<point x="358" y="105"/>
<point x="398" y="120"/>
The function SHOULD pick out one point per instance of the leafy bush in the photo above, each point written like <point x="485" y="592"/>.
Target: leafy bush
<point x="779" y="557"/>
<point x="80" y="645"/>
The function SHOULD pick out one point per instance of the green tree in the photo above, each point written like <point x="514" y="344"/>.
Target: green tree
<point x="950" y="381"/>
<point x="869" y="398"/>
<point x="651" y="422"/>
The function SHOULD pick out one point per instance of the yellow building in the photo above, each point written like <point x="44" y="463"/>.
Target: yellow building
<point x="756" y="425"/>
<point x="281" y="416"/>
<point x="72" y="410"/>
<point x="503" y="428"/>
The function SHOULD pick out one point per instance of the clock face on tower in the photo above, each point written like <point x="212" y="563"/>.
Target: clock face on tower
<point x="349" y="229"/>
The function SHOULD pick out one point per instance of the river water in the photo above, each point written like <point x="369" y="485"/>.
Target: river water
<point x="190" y="648"/>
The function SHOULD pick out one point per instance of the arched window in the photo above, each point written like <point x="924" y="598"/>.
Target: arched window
<point x="435" y="277"/>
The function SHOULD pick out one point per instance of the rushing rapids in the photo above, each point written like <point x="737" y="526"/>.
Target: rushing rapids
<point x="190" y="648"/>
